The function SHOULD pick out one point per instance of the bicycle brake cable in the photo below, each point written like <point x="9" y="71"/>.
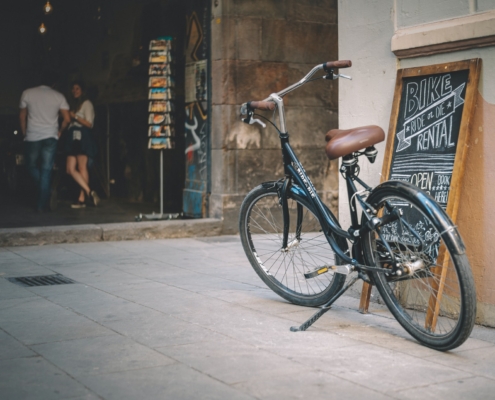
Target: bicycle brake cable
<point x="270" y="122"/>
<point x="315" y="79"/>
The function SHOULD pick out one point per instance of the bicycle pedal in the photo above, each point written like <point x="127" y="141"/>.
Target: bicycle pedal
<point x="316" y="272"/>
<point x="345" y="269"/>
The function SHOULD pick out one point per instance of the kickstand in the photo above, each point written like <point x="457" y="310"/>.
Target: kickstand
<point x="324" y="308"/>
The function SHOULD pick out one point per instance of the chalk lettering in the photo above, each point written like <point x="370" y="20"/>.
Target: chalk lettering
<point x="450" y="143"/>
<point x="411" y="98"/>
<point x="446" y="87"/>
<point x="434" y="85"/>
<point x="439" y="111"/>
<point x="442" y="196"/>
<point x="419" y="96"/>
<point x="443" y="180"/>
<point x="423" y="180"/>
<point x="442" y="136"/>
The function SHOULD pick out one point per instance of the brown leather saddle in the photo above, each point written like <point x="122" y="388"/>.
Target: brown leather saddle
<point x="342" y="142"/>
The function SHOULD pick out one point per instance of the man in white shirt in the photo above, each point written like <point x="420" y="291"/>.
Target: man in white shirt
<point x="40" y="108"/>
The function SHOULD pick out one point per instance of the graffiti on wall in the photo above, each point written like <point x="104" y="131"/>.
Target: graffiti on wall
<point x="196" y="145"/>
<point x="196" y="125"/>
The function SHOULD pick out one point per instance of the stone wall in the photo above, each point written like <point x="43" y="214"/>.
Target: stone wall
<point x="260" y="47"/>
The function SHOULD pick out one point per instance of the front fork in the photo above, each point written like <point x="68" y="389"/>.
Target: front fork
<point x="285" y="212"/>
<point x="283" y="198"/>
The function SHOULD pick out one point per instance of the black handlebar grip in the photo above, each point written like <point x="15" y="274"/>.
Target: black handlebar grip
<point x="262" y="105"/>
<point x="339" y="64"/>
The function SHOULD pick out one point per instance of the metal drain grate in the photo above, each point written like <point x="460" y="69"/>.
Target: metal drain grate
<point x="43" y="280"/>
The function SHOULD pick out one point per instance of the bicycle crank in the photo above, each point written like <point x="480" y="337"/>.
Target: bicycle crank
<point x="345" y="269"/>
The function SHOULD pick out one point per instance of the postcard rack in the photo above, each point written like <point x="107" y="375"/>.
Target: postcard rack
<point x="161" y="117"/>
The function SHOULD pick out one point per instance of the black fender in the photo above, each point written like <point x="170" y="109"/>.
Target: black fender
<point x="448" y="231"/>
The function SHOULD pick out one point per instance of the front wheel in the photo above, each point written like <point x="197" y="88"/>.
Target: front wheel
<point x="302" y="272"/>
<point x="435" y="299"/>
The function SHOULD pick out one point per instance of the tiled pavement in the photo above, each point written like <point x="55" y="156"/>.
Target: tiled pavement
<point x="189" y="319"/>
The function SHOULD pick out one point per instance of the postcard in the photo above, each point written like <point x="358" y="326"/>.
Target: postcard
<point x="161" y="81"/>
<point x="158" y="93"/>
<point x="158" y="57"/>
<point x="160" y="44"/>
<point x="156" y="119"/>
<point x="159" y="69"/>
<point x="161" y="143"/>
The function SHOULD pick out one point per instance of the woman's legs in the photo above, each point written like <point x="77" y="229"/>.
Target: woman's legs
<point x="82" y="167"/>
<point x="80" y="174"/>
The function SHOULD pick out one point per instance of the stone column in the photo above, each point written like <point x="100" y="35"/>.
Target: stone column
<point x="260" y="47"/>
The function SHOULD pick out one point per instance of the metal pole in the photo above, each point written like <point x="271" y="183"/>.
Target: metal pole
<point x="161" y="182"/>
<point x="108" y="150"/>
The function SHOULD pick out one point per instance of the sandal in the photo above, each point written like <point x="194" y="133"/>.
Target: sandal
<point x="78" y="204"/>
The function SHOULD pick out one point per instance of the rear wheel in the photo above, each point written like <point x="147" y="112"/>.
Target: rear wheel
<point x="301" y="273"/>
<point x="435" y="299"/>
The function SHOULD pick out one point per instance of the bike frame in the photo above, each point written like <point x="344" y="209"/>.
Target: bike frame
<point x="296" y="180"/>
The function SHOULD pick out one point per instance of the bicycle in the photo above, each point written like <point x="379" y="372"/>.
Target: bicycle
<point x="404" y="243"/>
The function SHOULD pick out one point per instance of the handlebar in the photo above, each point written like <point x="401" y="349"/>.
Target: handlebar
<point x="338" y="64"/>
<point x="261" y="105"/>
<point x="275" y="99"/>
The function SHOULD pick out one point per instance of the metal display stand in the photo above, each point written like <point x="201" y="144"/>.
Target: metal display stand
<point x="154" y="216"/>
<point x="161" y="131"/>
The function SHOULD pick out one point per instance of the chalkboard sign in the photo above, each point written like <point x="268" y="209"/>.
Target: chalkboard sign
<point x="429" y="127"/>
<point x="427" y="139"/>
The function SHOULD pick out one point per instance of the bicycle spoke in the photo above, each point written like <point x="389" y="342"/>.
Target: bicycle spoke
<point x="308" y="252"/>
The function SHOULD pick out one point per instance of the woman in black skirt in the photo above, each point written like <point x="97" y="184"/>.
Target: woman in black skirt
<point x="80" y="145"/>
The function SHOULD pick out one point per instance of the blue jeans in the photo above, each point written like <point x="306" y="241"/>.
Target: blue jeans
<point x="40" y="156"/>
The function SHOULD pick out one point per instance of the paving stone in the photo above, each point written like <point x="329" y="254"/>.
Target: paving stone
<point x="370" y="364"/>
<point x="98" y="305"/>
<point x="312" y="384"/>
<point x="100" y="276"/>
<point x="47" y="235"/>
<point x="43" y="235"/>
<point x="12" y="348"/>
<point x="231" y="361"/>
<point x="476" y="361"/>
<point x="301" y="344"/>
<point x="54" y="255"/>
<point x="176" y="381"/>
<point x="162" y="330"/>
<point x="172" y="300"/>
<point x="33" y="322"/>
<point x="23" y="268"/>
<point x="160" y="229"/>
<point x="9" y="290"/>
<point x="35" y="378"/>
<point x="465" y="388"/>
<point x="99" y="355"/>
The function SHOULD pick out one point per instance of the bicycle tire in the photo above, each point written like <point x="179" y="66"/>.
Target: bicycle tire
<point x="261" y="227"/>
<point x="438" y="318"/>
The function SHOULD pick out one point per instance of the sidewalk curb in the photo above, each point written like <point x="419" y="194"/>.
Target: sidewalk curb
<point x="38" y="236"/>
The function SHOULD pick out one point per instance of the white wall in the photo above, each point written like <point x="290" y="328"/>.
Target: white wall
<point x="365" y="30"/>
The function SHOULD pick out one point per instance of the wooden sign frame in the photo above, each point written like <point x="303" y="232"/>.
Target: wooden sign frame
<point x="474" y="68"/>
